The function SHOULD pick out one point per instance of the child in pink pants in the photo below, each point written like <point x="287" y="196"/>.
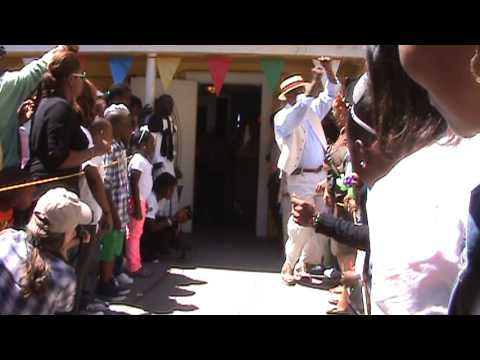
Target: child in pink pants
<point x="141" y="180"/>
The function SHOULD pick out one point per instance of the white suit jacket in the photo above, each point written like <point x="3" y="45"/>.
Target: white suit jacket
<point x="290" y="129"/>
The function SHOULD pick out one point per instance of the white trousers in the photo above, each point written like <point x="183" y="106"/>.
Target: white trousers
<point x="303" y="243"/>
<point x="286" y="206"/>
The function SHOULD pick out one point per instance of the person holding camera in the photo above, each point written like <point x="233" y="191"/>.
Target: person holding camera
<point x="35" y="275"/>
<point x="160" y="229"/>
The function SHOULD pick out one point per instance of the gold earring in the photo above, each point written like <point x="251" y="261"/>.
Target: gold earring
<point x="475" y="65"/>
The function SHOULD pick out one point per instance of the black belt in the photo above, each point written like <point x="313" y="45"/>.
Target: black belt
<point x="300" y="170"/>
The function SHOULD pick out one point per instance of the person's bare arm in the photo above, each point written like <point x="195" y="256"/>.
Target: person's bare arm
<point x="134" y="181"/>
<point x="77" y="158"/>
<point x="97" y="188"/>
<point x="117" y="224"/>
<point x="444" y="71"/>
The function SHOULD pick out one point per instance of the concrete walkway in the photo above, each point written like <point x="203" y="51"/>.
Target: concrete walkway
<point x="226" y="274"/>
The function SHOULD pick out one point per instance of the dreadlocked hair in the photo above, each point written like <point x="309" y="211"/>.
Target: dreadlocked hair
<point x="402" y="109"/>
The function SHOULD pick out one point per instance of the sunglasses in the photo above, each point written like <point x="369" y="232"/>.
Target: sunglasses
<point x="82" y="76"/>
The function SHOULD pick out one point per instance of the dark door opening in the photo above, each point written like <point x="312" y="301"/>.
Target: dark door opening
<point x="226" y="173"/>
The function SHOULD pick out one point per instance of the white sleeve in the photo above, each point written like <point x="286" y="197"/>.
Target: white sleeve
<point x="323" y="103"/>
<point x="137" y="163"/>
<point x="287" y="120"/>
<point x="94" y="162"/>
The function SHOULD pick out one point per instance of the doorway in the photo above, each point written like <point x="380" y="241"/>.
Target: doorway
<point x="227" y="158"/>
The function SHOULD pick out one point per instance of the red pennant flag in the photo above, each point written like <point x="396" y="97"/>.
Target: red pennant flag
<point x="219" y="67"/>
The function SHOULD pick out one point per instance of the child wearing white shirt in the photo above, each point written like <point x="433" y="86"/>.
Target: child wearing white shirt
<point x="141" y="180"/>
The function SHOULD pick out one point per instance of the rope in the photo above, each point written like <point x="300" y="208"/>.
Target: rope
<point x="52" y="179"/>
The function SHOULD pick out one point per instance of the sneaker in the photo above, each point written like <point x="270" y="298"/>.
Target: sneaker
<point x="315" y="270"/>
<point x="108" y="291"/>
<point x="124" y="279"/>
<point x="142" y="273"/>
<point x="120" y="289"/>
<point x="95" y="308"/>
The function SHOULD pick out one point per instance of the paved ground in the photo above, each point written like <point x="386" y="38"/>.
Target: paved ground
<point x="226" y="275"/>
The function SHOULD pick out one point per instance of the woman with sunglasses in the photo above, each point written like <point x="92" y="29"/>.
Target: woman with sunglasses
<point x="57" y="144"/>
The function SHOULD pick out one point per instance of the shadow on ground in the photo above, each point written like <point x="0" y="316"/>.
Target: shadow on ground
<point x="157" y="294"/>
<point x="239" y="252"/>
<point x="234" y="251"/>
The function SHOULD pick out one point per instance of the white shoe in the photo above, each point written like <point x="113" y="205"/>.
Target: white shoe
<point x="124" y="279"/>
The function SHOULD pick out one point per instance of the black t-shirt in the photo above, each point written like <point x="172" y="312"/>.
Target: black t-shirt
<point x="55" y="131"/>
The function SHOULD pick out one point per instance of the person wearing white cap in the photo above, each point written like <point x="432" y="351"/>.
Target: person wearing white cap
<point x="34" y="275"/>
<point x="118" y="190"/>
<point x="300" y="136"/>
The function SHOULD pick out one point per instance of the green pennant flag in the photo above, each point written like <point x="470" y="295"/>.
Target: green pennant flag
<point x="273" y="70"/>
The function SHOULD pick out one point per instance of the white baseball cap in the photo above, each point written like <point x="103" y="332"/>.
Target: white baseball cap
<point x="61" y="211"/>
<point x="116" y="109"/>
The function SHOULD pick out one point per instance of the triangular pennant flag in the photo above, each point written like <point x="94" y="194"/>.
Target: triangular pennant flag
<point x="167" y="67"/>
<point x="120" y="68"/>
<point x="27" y="61"/>
<point x="273" y="71"/>
<point x="219" y="67"/>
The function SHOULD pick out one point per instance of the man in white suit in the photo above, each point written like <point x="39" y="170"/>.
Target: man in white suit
<point x="300" y="136"/>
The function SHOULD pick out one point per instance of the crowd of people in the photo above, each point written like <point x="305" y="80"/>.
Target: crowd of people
<point x="88" y="188"/>
<point x="383" y="211"/>
<point x="401" y="220"/>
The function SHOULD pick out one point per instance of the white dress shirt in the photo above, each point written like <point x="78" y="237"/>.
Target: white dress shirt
<point x="305" y="110"/>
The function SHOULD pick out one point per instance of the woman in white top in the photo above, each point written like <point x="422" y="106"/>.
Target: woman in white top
<point x="455" y="94"/>
<point x="416" y="213"/>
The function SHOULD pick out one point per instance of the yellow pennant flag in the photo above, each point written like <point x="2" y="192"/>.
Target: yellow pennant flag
<point x="167" y="67"/>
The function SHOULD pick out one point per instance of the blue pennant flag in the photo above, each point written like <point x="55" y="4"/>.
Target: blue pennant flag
<point x="120" y="68"/>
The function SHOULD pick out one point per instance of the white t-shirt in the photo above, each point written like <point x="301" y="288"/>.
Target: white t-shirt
<point x="417" y="216"/>
<point x="142" y="164"/>
<point x="156" y="208"/>
<point x="85" y="193"/>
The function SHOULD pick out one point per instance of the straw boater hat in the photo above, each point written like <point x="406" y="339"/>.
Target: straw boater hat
<point x="290" y="83"/>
